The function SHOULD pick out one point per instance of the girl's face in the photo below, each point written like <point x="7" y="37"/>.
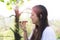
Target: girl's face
<point x="34" y="17"/>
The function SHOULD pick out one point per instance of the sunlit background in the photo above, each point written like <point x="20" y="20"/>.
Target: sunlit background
<point x="52" y="6"/>
<point x="6" y="21"/>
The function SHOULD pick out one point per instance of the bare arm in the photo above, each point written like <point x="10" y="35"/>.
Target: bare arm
<point x="23" y="27"/>
<point x="25" y="35"/>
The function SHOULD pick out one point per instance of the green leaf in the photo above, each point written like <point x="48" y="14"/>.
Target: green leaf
<point x="9" y="6"/>
<point x="14" y="1"/>
<point x="21" y="2"/>
<point x="2" y="0"/>
<point x="7" y="3"/>
<point x="10" y="1"/>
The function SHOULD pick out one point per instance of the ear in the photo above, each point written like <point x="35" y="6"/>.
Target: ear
<point x="40" y="16"/>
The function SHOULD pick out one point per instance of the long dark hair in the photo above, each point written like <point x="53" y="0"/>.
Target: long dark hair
<point x="41" y="13"/>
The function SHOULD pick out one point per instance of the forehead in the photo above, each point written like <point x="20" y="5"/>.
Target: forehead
<point x="33" y="12"/>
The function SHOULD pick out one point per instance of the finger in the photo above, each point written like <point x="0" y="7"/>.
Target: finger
<point x="24" y="22"/>
<point x="20" y="23"/>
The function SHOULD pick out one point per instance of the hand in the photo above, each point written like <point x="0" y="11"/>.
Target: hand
<point x="23" y="25"/>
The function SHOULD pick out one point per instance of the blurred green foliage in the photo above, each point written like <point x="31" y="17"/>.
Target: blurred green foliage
<point x="10" y="3"/>
<point x="2" y="0"/>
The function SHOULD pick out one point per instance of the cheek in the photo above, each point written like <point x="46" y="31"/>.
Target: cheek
<point x="34" y="19"/>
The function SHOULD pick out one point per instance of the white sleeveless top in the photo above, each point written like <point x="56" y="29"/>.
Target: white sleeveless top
<point x="48" y="34"/>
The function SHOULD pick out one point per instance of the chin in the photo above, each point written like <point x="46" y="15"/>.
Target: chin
<point x="34" y="23"/>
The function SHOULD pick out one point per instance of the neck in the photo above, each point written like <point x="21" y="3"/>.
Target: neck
<point x="38" y="24"/>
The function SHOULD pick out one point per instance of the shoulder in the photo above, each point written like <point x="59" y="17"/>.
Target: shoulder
<point x="48" y="34"/>
<point x="48" y="29"/>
